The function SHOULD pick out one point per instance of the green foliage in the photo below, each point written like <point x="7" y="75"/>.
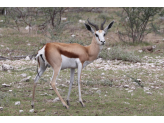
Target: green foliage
<point x="134" y="21"/>
<point x="155" y="28"/>
<point x="4" y="99"/>
<point x="135" y="80"/>
<point x="161" y="13"/>
<point x="119" y="53"/>
<point x="106" y="16"/>
<point x="21" y="16"/>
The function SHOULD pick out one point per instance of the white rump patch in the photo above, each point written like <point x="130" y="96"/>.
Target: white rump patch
<point x="42" y="52"/>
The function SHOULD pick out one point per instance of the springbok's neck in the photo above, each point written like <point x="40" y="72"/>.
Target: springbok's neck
<point x="94" y="49"/>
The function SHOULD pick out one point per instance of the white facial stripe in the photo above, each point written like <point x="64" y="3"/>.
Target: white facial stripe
<point x="100" y="36"/>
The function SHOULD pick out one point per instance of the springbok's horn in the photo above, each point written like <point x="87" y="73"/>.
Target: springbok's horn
<point x="94" y="25"/>
<point x="103" y="24"/>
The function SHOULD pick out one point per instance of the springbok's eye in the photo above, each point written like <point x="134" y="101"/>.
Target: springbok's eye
<point x="96" y="35"/>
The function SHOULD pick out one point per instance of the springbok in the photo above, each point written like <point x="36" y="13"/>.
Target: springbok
<point x="61" y="56"/>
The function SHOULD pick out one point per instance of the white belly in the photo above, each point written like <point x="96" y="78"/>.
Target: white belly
<point x="71" y="62"/>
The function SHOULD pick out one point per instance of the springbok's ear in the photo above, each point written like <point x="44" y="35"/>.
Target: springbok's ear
<point x="89" y="28"/>
<point x="108" y="27"/>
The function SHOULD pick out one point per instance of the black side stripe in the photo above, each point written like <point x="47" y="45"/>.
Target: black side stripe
<point x="42" y="57"/>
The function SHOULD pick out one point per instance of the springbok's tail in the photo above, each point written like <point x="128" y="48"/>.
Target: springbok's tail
<point x="37" y="59"/>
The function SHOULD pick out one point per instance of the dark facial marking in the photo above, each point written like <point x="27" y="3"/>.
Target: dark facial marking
<point x="96" y="35"/>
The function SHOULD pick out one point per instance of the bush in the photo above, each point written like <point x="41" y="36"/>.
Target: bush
<point x="134" y="21"/>
<point x="118" y="53"/>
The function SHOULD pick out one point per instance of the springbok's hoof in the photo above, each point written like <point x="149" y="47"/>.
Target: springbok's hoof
<point x="66" y="106"/>
<point x="32" y="106"/>
<point x="68" y="103"/>
<point x="82" y="104"/>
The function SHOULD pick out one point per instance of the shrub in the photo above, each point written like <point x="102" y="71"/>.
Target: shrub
<point x="118" y="53"/>
<point x="134" y="21"/>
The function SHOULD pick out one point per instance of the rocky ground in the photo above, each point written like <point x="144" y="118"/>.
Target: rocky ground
<point x="102" y="80"/>
<point x="151" y="67"/>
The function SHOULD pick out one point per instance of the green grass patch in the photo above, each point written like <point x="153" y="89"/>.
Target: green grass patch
<point x="119" y="53"/>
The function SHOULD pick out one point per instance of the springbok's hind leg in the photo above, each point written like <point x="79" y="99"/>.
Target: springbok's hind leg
<point x="41" y="70"/>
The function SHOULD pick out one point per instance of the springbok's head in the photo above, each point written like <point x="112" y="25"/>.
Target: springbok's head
<point x="99" y="33"/>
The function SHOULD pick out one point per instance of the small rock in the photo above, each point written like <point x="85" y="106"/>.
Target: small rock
<point x="10" y="90"/>
<point x="156" y="87"/>
<point x="42" y="110"/>
<point x="51" y="88"/>
<point x="23" y="75"/>
<point x="126" y="86"/>
<point x="73" y="35"/>
<point x="56" y="99"/>
<point x="49" y="101"/>
<point x="146" y="88"/>
<point x="81" y="21"/>
<point x="149" y="93"/>
<point x="94" y="88"/>
<point x="68" y="81"/>
<point x="98" y="91"/>
<point x="55" y="112"/>
<point x="26" y="79"/>
<point x="1" y="108"/>
<point x="17" y="103"/>
<point x="140" y="51"/>
<point x="27" y="58"/>
<point x="63" y="18"/>
<point x="130" y="91"/>
<point x="139" y="80"/>
<point x="20" y="111"/>
<point x="133" y="88"/>
<point x="45" y="94"/>
<point x="109" y="48"/>
<point x="126" y="103"/>
<point x="6" y="67"/>
<point x="63" y="85"/>
<point x="5" y="85"/>
<point x="102" y="74"/>
<point x="27" y="28"/>
<point x="31" y="110"/>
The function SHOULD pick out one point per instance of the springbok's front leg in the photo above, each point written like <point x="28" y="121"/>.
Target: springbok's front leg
<point x="80" y="66"/>
<point x="53" y="84"/>
<point x="70" y="85"/>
